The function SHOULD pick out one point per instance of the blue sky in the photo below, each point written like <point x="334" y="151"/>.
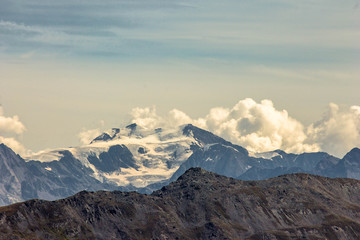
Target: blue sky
<point x="66" y="65"/>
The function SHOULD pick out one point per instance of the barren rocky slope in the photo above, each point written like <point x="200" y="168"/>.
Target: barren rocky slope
<point x="199" y="205"/>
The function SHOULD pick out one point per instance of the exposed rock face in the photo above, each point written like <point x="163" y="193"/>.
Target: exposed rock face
<point x="222" y="159"/>
<point x="117" y="157"/>
<point x="351" y="162"/>
<point x="12" y="173"/>
<point x="21" y="180"/>
<point x="199" y="205"/>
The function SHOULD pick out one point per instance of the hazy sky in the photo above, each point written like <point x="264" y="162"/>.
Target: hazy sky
<point x="69" y="66"/>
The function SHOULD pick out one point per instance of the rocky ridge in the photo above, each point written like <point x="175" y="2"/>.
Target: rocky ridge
<point x="198" y="205"/>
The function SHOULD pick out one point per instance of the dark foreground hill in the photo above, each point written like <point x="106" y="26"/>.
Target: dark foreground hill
<point x="199" y="205"/>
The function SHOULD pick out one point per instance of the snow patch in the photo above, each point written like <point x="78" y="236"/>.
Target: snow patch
<point x="248" y="167"/>
<point x="266" y="155"/>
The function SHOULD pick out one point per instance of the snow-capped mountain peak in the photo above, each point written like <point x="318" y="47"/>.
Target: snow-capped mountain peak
<point x="130" y="155"/>
<point x="137" y="158"/>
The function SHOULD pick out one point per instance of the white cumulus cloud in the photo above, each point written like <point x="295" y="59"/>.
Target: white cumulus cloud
<point x="259" y="127"/>
<point x="148" y="118"/>
<point x="9" y="128"/>
<point x="10" y="124"/>
<point x="15" y="145"/>
<point x="85" y="136"/>
<point x="338" y="131"/>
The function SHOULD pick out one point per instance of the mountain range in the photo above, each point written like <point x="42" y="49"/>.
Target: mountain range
<point x="198" y="205"/>
<point x="137" y="159"/>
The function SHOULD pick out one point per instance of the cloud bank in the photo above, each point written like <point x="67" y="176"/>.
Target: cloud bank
<point x="261" y="127"/>
<point x="10" y="127"/>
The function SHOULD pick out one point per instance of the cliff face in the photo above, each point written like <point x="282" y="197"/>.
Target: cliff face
<point x="199" y="205"/>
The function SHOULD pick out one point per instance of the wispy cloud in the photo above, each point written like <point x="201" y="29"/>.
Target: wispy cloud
<point x="27" y="55"/>
<point x="34" y="33"/>
<point x="255" y="31"/>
